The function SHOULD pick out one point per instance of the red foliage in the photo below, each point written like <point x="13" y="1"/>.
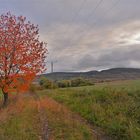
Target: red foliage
<point x="22" y="55"/>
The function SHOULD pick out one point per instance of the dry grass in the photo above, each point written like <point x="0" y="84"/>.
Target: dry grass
<point x="20" y="121"/>
<point x="63" y="124"/>
<point x="27" y="118"/>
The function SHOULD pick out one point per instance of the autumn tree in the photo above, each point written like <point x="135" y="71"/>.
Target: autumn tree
<point x="22" y="55"/>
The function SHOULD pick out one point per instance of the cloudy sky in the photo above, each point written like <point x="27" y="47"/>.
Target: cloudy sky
<point x="85" y="35"/>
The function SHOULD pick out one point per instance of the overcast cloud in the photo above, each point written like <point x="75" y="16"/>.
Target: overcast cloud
<point x="80" y="38"/>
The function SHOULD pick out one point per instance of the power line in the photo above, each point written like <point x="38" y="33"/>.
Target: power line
<point x="95" y="8"/>
<point x="81" y="7"/>
<point x="108" y="10"/>
<point x="74" y="17"/>
<point x="77" y="13"/>
<point x="105" y="13"/>
<point x="79" y="10"/>
<point x="92" y="13"/>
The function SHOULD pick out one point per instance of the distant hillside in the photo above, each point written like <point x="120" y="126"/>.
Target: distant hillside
<point x="104" y="75"/>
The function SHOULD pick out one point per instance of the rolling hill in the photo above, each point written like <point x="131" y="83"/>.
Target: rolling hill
<point x="98" y="76"/>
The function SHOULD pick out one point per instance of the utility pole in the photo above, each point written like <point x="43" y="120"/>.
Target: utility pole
<point x="51" y="62"/>
<point x="52" y="67"/>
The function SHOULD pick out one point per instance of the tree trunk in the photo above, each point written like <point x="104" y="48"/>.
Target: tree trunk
<point x="5" y="99"/>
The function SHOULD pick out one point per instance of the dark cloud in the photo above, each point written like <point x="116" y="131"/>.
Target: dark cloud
<point x="80" y="38"/>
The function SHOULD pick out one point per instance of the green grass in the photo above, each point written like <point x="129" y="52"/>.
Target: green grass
<point x="114" y="107"/>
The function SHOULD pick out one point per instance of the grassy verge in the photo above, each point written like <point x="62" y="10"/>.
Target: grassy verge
<point x="20" y="121"/>
<point x="113" y="107"/>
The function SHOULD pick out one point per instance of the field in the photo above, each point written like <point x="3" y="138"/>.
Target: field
<point x="113" y="107"/>
<point x="103" y="111"/>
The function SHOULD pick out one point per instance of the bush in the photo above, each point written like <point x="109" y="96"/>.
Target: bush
<point x="47" y="84"/>
<point x="80" y="82"/>
<point x="64" y="83"/>
<point x="74" y="83"/>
